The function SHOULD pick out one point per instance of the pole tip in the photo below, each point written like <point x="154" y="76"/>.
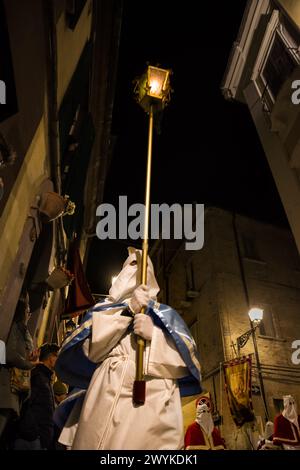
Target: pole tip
<point x="139" y="392"/>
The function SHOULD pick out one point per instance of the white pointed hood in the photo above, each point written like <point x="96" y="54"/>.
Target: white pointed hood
<point x="269" y="430"/>
<point x="204" y="419"/>
<point x="290" y="410"/>
<point x="129" y="278"/>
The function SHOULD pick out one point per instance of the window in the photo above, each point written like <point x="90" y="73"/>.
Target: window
<point x="277" y="57"/>
<point x="249" y="248"/>
<point x="266" y="327"/>
<point x="278" y="405"/>
<point x="76" y="134"/>
<point x="278" y="67"/>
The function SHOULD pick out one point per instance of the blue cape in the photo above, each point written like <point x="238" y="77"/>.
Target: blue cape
<point x="75" y="369"/>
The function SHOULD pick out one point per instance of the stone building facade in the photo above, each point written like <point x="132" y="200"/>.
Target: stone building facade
<point x="207" y="288"/>
<point x="58" y="61"/>
<point x="262" y="71"/>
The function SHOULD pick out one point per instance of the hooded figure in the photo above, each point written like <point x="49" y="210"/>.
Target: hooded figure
<point x="287" y="424"/>
<point x="202" y="434"/>
<point x="266" y="441"/>
<point x="128" y="279"/>
<point x="99" y="358"/>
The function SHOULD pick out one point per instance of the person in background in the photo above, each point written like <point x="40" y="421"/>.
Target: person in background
<point x="20" y="356"/>
<point x="36" y="427"/>
<point x="70" y="327"/>
<point x="287" y="425"/>
<point x="60" y="391"/>
<point x="266" y="441"/>
<point x="202" y="433"/>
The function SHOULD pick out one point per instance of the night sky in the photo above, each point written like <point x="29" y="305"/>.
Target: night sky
<point x="208" y="150"/>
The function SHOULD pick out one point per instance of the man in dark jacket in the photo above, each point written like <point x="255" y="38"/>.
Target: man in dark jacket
<point x="36" y="427"/>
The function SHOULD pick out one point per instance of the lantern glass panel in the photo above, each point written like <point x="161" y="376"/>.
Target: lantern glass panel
<point x="157" y="82"/>
<point x="256" y="314"/>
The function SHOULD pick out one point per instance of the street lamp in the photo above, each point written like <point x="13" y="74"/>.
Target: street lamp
<point x="255" y="316"/>
<point x="152" y="91"/>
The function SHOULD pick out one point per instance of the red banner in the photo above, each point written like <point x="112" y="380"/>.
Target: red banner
<point x="237" y="374"/>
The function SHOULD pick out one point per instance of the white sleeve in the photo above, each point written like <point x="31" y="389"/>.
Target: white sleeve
<point x="107" y="330"/>
<point x="162" y="357"/>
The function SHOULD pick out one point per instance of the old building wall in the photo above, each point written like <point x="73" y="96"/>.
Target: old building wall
<point x="218" y="315"/>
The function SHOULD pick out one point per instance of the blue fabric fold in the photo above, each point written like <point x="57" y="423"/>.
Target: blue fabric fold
<point x="75" y="369"/>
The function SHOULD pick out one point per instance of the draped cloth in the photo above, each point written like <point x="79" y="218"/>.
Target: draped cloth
<point x="99" y="357"/>
<point x="287" y="425"/>
<point x="237" y="374"/>
<point x="286" y="433"/>
<point x="197" y="439"/>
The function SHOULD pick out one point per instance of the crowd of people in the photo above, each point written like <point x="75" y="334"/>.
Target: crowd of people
<point x="28" y="393"/>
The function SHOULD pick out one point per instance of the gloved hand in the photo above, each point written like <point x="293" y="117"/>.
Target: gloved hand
<point x="139" y="299"/>
<point x="143" y="326"/>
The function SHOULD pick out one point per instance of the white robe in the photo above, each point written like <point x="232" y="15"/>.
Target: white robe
<point x="108" y="418"/>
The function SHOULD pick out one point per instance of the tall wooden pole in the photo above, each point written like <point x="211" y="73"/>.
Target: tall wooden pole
<point x="139" y="388"/>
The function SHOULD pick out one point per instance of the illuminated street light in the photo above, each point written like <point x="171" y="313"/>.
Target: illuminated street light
<point x="256" y="315"/>
<point x="153" y="88"/>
